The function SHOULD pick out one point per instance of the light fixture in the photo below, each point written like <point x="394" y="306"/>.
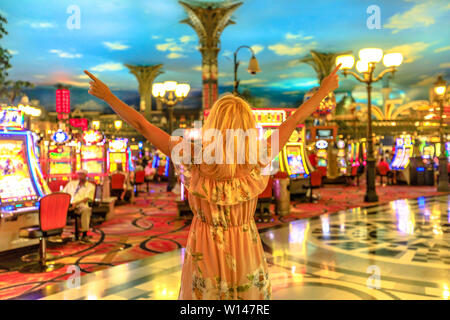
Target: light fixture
<point x="253" y="66"/>
<point x="371" y="55"/>
<point x="182" y="90"/>
<point x="158" y="90"/>
<point x="118" y="124"/>
<point x="347" y="61"/>
<point x="392" y="59"/>
<point x="170" y="85"/>
<point x="362" y="66"/>
<point x="440" y="86"/>
<point x="96" y="124"/>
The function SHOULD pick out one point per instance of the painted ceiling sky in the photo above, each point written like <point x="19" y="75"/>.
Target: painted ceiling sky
<point x="113" y="32"/>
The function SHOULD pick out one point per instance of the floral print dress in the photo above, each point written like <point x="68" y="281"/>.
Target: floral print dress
<point x="224" y="258"/>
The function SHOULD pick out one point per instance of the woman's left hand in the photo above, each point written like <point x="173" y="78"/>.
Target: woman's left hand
<point x="331" y="82"/>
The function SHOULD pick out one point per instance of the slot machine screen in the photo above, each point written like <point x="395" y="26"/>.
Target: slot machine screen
<point x="60" y="160"/>
<point x="115" y="158"/>
<point x="15" y="181"/>
<point x="92" y="159"/>
<point x="398" y="158"/>
<point x="295" y="161"/>
<point x="324" y="134"/>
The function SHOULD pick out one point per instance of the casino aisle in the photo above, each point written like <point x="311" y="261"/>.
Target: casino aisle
<point x="396" y="250"/>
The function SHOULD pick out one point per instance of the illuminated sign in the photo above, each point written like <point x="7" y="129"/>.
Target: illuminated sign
<point x="11" y="118"/>
<point x="92" y="137"/>
<point x="63" y="101"/>
<point x="60" y="136"/>
<point x="321" y="144"/>
<point x="341" y="144"/>
<point x="118" y="145"/>
<point x="269" y="117"/>
<point x="79" y="123"/>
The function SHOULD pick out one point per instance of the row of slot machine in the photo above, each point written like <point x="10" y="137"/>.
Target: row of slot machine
<point x="63" y="156"/>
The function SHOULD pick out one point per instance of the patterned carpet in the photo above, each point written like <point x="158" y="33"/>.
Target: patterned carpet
<point x="151" y="226"/>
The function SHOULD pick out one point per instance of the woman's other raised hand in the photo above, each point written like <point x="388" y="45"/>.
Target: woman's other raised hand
<point x="97" y="88"/>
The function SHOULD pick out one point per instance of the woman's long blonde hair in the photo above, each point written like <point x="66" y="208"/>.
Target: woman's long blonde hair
<point x="229" y="112"/>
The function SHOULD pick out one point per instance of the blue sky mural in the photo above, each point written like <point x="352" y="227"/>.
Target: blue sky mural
<point x="113" y="32"/>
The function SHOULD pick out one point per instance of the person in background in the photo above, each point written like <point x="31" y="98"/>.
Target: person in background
<point x="127" y="188"/>
<point x="139" y="166"/>
<point x="313" y="159"/>
<point x="82" y="193"/>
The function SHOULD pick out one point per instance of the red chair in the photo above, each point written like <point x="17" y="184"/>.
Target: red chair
<point x="323" y="171"/>
<point x="57" y="185"/>
<point x="315" y="182"/>
<point x="52" y="220"/>
<point x="117" y="181"/>
<point x="264" y="201"/>
<point x="139" y="178"/>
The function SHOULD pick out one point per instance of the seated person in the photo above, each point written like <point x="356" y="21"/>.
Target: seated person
<point x="82" y="193"/>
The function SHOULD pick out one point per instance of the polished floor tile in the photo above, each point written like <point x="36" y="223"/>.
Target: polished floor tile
<point x="399" y="250"/>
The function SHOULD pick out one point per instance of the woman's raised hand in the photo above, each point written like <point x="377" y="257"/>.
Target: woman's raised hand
<point x="97" y="88"/>
<point x="331" y="82"/>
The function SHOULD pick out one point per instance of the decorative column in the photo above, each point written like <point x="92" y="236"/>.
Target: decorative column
<point x="145" y="76"/>
<point x="209" y="20"/>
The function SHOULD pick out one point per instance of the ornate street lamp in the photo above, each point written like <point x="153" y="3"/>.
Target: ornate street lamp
<point x="170" y="93"/>
<point x="369" y="58"/>
<point x="253" y="67"/>
<point x="440" y="90"/>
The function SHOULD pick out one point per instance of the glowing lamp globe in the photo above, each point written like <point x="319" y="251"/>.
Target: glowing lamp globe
<point x="158" y="90"/>
<point x="182" y="90"/>
<point x="392" y="59"/>
<point x="347" y="61"/>
<point x="326" y="105"/>
<point x="362" y="66"/>
<point x="371" y="55"/>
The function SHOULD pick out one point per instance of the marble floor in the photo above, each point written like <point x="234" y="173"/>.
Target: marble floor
<point x="398" y="250"/>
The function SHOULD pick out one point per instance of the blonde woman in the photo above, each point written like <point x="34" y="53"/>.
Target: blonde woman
<point x="224" y="257"/>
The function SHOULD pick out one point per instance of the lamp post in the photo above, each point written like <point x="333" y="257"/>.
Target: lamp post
<point x="369" y="58"/>
<point x="253" y="67"/>
<point x="440" y="90"/>
<point x="170" y="93"/>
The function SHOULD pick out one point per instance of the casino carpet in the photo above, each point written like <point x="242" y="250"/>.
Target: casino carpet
<point x="151" y="226"/>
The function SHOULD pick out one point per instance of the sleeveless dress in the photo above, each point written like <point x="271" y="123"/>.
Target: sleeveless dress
<point x="224" y="258"/>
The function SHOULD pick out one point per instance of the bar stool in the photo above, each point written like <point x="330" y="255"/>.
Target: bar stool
<point x="52" y="220"/>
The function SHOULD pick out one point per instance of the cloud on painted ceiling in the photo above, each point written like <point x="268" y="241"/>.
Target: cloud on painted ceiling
<point x="41" y="25"/>
<point x="257" y="48"/>
<point x="174" y="55"/>
<point x="445" y="65"/>
<point x="175" y="48"/>
<point x="66" y="55"/>
<point x="115" y="45"/>
<point x="423" y="14"/>
<point x="443" y="49"/>
<point x="410" y="51"/>
<point x="295" y="44"/>
<point x="108" y="66"/>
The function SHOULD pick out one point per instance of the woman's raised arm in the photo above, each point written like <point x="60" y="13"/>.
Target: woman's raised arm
<point x="330" y="83"/>
<point x="153" y="134"/>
